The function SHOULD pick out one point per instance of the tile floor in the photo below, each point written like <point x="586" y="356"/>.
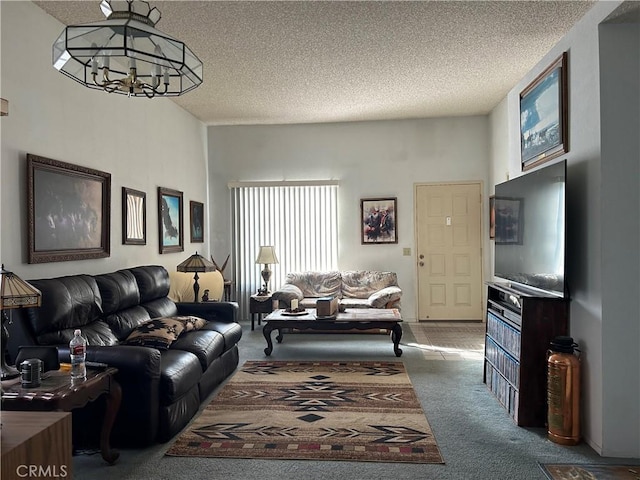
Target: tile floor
<point x="449" y="340"/>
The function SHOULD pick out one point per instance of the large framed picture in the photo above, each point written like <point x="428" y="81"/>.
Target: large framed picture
<point x="378" y="219"/>
<point x="68" y="211"/>
<point x="170" y="224"/>
<point x="544" y="117"/>
<point x="196" y="210"/>
<point x="134" y="217"/>
<point x="509" y="220"/>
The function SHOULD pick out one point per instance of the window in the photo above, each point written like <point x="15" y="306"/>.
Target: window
<point x="298" y="218"/>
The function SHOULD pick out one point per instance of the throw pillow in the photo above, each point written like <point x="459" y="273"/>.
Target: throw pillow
<point x="191" y="323"/>
<point x="157" y="333"/>
<point x="382" y="297"/>
<point x="287" y="292"/>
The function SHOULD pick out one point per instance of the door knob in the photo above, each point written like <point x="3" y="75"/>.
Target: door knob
<point x="421" y="256"/>
<point x="421" y="264"/>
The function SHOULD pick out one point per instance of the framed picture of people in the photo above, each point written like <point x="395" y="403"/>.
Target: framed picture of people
<point x="379" y="222"/>
<point x="68" y="211"/>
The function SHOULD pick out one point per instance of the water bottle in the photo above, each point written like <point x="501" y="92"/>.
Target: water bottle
<point x="78" y="351"/>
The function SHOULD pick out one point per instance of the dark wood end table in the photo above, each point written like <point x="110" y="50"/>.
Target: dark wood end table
<point x="354" y="319"/>
<point x="259" y="305"/>
<point x="58" y="391"/>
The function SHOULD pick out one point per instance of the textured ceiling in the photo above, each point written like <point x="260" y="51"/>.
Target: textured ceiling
<point x="271" y="62"/>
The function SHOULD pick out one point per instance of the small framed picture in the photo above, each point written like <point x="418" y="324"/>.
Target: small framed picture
<point x="378" y="220"/>
<point x="196" y="210"/>
<point x="544" y="116"/>
<point x="134" y="217"/>
<point x="170" y="224"/>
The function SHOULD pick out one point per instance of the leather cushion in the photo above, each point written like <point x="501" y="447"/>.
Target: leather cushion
<point x="179" y="372"/>
<point x="232" y="332"/>
<point x="67" y="303"/>
<point x="153" y="282"/>
<point x="118" y="290"/>
<point x="123" y="322"/>
<point x="207" y="345"/>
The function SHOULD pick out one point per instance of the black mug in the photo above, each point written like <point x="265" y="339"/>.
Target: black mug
<point x="31" y="370"/>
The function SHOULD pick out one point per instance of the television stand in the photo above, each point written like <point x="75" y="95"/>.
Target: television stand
<point x="519" y="328"/>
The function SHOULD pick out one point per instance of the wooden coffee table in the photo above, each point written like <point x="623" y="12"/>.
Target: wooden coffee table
<point x="58" y="391"/>
<point x="353" y="319"/>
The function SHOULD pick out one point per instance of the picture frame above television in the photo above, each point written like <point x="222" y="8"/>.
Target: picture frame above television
<point x="544" y="116"/>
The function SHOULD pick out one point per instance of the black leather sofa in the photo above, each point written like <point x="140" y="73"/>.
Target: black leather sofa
<point x="161" y="389"/>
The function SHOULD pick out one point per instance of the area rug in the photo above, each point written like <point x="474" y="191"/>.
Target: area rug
<point x="356" y="411"/>
<point x="591" y="472"/>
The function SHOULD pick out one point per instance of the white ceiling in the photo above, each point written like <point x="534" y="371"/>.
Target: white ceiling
<point x="272" y="62"/>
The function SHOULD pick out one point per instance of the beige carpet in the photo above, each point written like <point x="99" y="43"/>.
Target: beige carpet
<point x="364" y="411"/>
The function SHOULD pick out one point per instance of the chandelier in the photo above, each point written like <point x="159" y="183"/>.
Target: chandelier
<point x="125" y="54"/>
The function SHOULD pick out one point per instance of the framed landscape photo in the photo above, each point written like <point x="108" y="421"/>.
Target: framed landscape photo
<point x="170" y="224"/>
<point x="134" y="217"/>
<point x="544" y="117"/>
<point x="196" y="210"/>
<point x="509" y="220"/>
<point x="68" y="211"/>
<point x="378" y="220"/>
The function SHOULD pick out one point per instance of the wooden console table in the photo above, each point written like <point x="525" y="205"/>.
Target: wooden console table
<point x="58" y="391"/>
<point x="36" y="441"/>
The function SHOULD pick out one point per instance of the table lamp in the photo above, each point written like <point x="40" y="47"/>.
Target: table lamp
<point x="14" y="293"/>
<point x="266" y="256"/>
<point x="196" y="263"/>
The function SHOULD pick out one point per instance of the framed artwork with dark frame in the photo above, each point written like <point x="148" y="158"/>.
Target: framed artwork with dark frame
<point x="544" y="116"/>
<point x="134" y="217"/>
<point x="170" y="223"/>
<point x="68" y="211"/>
<point x="378" y="220"/>
<point x="492" y="216"/>
<point x="196" y="217"/>
<point x="509" y="220"/>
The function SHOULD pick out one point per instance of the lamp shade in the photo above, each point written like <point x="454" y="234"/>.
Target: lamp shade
<point x="196" y="263"/>
<point x="267" y="255"/>
<point x="16" y="293"/>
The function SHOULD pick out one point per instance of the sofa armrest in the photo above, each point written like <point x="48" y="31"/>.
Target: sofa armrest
<point x="219" y="311"/>
<point x="139" y="376"/>
<point x="385" y="297"/>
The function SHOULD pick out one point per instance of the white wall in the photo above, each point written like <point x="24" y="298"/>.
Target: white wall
<point x="370" y="159"/>
<point x="620" y="173"/>
<point x="143" y="144"/>
<point x="608" y="337"/>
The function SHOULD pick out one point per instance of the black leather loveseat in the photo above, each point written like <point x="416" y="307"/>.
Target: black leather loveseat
<point x="162" y="389"/>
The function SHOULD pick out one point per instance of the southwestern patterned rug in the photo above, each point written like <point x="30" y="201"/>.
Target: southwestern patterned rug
<point x="356" y="411"/>
<point x="591" y="472"/>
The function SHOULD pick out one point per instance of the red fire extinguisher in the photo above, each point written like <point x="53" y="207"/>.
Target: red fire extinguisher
<point x="563" y="391"/>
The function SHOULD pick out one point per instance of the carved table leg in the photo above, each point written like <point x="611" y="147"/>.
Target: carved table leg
<point x="113" y="404"/>
<point x="396" y="335"/>
<point x="280" y="336"/>
<point x="266" y="331"/>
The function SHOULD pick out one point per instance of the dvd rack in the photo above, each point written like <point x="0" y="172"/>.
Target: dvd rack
<point x="519" y="329"/>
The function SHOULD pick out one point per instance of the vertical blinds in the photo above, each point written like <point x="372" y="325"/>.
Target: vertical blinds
<point x="298" y="219"/>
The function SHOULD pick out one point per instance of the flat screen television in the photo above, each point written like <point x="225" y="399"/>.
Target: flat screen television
<point x="530" y="230"/>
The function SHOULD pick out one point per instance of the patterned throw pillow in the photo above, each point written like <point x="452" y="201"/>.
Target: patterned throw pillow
<point x="191" y="323"/>
<point x="157" y="333"/>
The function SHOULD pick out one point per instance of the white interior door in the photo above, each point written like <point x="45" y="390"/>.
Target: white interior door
<point x="449" y="251"/>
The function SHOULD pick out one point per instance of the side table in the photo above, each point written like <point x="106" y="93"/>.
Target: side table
<point x="58" y="391"/>
<point x="259" y="305"/>
<point x="36" y="439"/>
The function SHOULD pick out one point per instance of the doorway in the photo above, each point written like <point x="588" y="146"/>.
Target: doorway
<point x="449" y="251"/>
